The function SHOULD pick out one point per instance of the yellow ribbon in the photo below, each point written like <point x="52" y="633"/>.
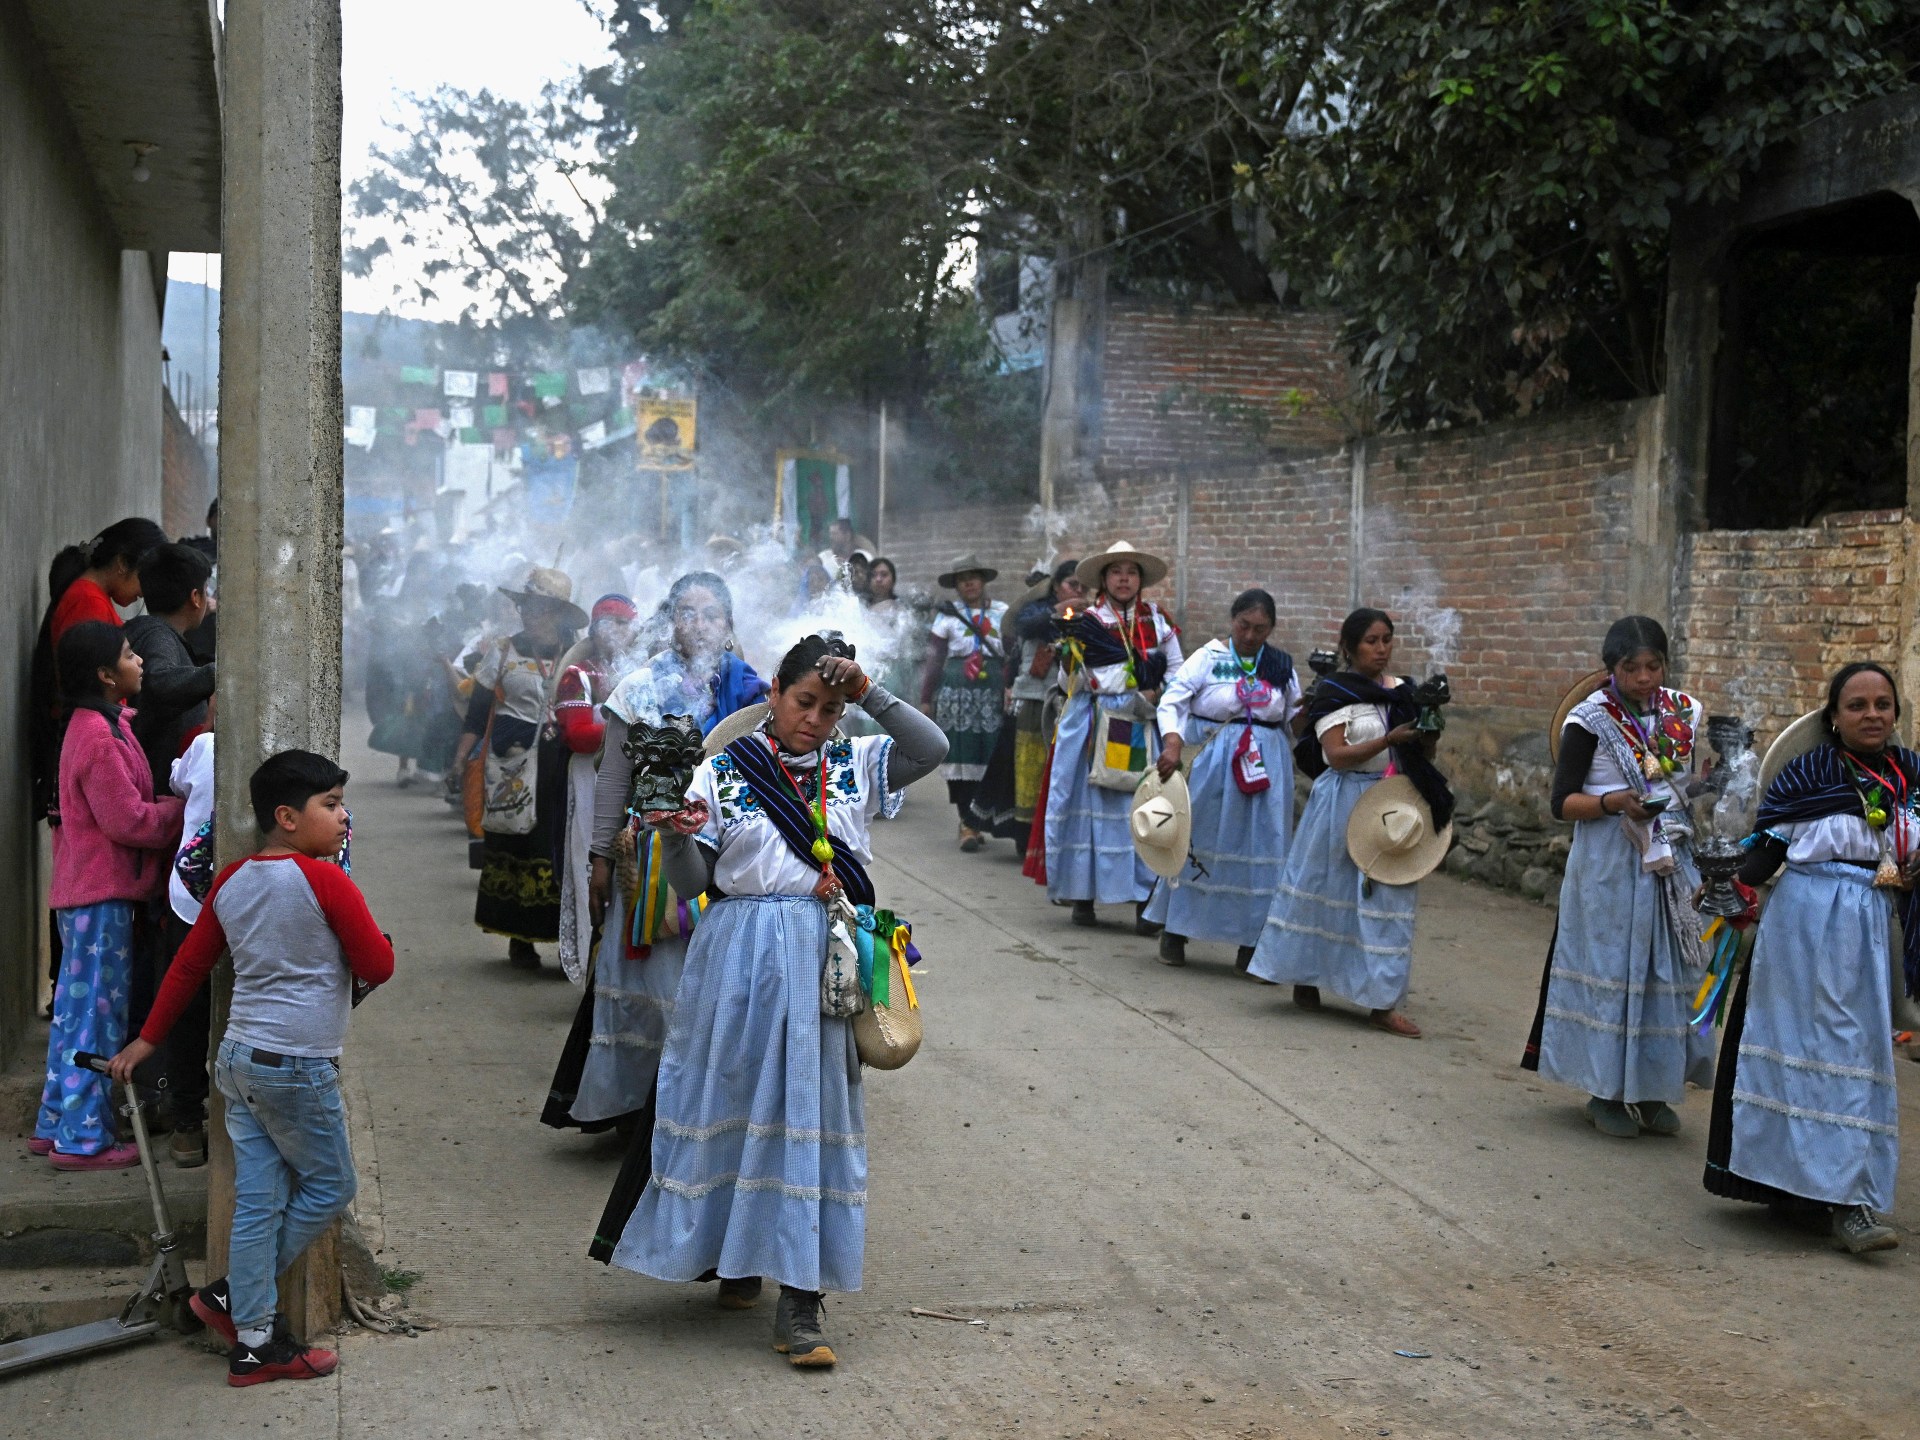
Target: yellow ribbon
<point x="898" y="949"/>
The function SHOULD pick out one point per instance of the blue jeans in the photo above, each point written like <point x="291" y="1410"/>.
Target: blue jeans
<point x="292" y="1170"/>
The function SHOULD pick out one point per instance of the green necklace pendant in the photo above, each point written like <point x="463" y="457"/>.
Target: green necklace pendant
<point x="823" y="850"/>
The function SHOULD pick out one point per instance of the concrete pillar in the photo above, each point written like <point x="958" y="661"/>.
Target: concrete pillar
<point x="1654" y="519"/>
<point x="280" y="464"/>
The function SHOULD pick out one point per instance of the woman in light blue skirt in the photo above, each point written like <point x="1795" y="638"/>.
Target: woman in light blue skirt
<point x="759" y="1163"/>
<point x="1118" y="651"/>
<point x="1232" y="701"/>
<point x="1329" y="927"/>
<point x="1806" y="1111"/>
<point x="1627" y="955"/>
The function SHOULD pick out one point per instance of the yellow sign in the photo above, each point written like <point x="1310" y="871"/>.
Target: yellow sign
<point x="668" y="431"/>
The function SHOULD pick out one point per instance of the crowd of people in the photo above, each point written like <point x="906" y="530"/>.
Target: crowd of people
<point x="736" y="960"/>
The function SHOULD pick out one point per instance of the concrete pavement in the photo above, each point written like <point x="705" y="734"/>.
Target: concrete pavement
<point x="1181" y="1206"/>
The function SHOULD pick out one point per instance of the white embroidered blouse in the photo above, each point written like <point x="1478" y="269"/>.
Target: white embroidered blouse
<point x="752" y="857"/>
<point x="1207" y="687"/>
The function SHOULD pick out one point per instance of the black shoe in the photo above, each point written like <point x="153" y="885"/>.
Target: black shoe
<point x="796" y="1329"/>
<point x="281" y="1358"/>
<point x="1142" y="925"/>
<point x="1243" y="957"/>
<point x="1083" y="914"/>
<point x="1173" y="948"/>
<point x="740" y="1294"/>
<point x="522" y="956"/>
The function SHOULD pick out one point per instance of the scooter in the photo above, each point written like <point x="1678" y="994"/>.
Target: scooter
<point x="162" y="1301"/>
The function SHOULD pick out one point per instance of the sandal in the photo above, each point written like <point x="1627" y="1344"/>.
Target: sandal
<point x="1394" y="1023"/>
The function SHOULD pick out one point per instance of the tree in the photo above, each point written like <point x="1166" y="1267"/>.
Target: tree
<point x="1486" y="188"/>
<point x="490" y="199"/>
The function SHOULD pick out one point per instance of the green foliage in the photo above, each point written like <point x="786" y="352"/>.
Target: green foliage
<point x="1486" y="188"/>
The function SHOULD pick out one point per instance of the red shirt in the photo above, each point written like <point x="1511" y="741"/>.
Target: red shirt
<point x="84" y="600"/>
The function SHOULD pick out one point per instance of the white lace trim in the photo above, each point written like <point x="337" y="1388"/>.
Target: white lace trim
<point x="1818" y="1067"/>
<point x="1319" y="934"/>
<point x="1801" y="1112"/>
<point x="1332" y="904"/>
<point x="633" y="997"/>
<point x="1602" y="982"/>
<point x="1575" y="1017"/>
<point x="807" y="1136"/>
<point x="780" y="1187"/>
<point x="628" y="1042"/>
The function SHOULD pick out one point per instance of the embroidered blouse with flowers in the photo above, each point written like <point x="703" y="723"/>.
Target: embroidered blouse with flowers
<point x="1659" y="741"/>
<point x="1134" y="650"/>
<point x="1215" y="683"/>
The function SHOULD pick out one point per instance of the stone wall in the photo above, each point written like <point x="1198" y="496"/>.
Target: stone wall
<point x="1180" y="386"/>
<point x="1767" y="615"/>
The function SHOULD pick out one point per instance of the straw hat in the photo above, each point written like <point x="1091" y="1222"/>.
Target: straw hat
<point x="553" y="586"/>
<point x="1162" y="822"/>
<point x="1034" y="592"/>
<point x="1092" y="569"/>
<point x="1804" y="734"/>
<point x="967" y="564"/>
<point x="1390" y="834"/>
<point x="741" y="722"/>
<point x="1580" y="690"/>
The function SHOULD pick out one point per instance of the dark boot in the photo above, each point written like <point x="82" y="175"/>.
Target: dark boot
<point x="1142" y="925"/>
<point x="1083" y="914"/>
<point x="1173" y="948"/>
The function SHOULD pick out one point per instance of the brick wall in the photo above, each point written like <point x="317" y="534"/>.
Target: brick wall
<point x="1768" y="615"/>
<point x="1182" y="386"/>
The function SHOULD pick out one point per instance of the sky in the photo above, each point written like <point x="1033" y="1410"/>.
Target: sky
<point x="391" y="47"/>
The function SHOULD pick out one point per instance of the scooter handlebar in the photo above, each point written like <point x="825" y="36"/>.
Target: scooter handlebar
<point x="87" y="1060"/>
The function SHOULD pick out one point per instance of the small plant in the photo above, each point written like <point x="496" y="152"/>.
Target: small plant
<point x="400" y="1281"/>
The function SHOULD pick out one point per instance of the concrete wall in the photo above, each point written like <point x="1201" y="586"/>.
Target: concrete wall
<point x="80" y="373"/>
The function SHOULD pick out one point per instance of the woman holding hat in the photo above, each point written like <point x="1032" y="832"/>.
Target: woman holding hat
<point x="1231" y="703"/>
<point x="759" y="1158"/>
<point x="607" y="1067"/>
<point x="963" y="683"/>
<point x="1120" y="650"/>
<point x="523" y="768"/>
<point x="1627" y="953"/>
<point x="1332" y="924"/>
<point x="1806" y="1114"/>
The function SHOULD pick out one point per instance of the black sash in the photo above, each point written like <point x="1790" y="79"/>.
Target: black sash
<point x="753" y="756"/>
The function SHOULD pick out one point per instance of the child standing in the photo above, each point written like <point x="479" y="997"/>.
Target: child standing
<point x="110" y="849"/>
<point x="303" y="943"/>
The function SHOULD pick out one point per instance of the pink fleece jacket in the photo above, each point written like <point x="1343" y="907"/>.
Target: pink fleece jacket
<point x="114" y="839"/>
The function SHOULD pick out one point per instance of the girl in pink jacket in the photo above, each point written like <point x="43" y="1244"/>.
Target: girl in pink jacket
<point x="111" y="843"/>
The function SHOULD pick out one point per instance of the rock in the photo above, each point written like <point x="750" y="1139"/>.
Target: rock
<point x="1536" y="882"/>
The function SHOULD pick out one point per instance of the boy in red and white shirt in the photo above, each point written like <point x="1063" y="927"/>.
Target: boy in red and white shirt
<point x="303" y="944"/>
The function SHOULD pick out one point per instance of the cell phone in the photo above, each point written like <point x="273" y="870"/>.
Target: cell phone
<point x="1654" y="804"/>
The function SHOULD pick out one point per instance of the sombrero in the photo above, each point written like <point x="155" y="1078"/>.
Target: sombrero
<point x="1390" y="834"/>
<point x="741" y="722"/>
<point x="968" y="564"/>
<point x="1036" y="592"/>
<point x="1161" y="823"/>
<point x="554" y="587"/>
<point x="1580" y="690"/>
<point x="1797" y="739"/>
<point x="1152" y="568"/>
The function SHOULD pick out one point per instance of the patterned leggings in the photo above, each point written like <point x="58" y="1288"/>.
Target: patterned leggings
<point x="89" y="1013"/>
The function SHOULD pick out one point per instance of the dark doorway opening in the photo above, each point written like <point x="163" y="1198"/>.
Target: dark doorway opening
<point x="1810" y="389"/>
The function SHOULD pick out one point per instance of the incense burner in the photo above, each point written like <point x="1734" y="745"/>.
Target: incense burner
<point x="664" y="758"/>
<point x="1430" y="694"/>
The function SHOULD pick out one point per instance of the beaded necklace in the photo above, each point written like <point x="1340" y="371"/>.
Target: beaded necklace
<point x="822" y="847"/>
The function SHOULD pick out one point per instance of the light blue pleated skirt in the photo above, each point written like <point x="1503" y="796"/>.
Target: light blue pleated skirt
<point x="1816" y="1111"/>
<point x="1326" y="926"/>
<point x="760" y="1145"/>
<point x="1618" y="998"/>
<point x="632" y="1012"/>
<point x="1089" y="845"/>
<point x="1239" y="840"/>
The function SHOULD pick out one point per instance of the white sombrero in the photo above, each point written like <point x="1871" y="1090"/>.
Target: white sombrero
<point x="741" y="722"/>
<point x="1578" y="691"/>
<point x="1390" y="834"/>
<point x="1162" y="822"/>
<point x="1093" y="569"/>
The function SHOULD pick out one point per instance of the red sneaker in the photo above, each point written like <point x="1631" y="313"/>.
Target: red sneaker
<point x="214" y="1307"/>
<point x="281" y="1358"/>
<point x="114" y="1157"/>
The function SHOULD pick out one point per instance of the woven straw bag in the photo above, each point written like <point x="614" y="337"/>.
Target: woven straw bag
<point x="887" y="1036"/>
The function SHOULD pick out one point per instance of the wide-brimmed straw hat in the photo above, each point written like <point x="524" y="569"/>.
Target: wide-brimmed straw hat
<point x="1093" y="569"/>
<point x="1390" y="834"/>
<point x="1578" y="691"/>
<point x="967" y="564"/>
<point x="553" y="586"/>
<point x="741" y="722"/>
<point x="1806" y="733"/>
<point x="1161" y="823"/>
